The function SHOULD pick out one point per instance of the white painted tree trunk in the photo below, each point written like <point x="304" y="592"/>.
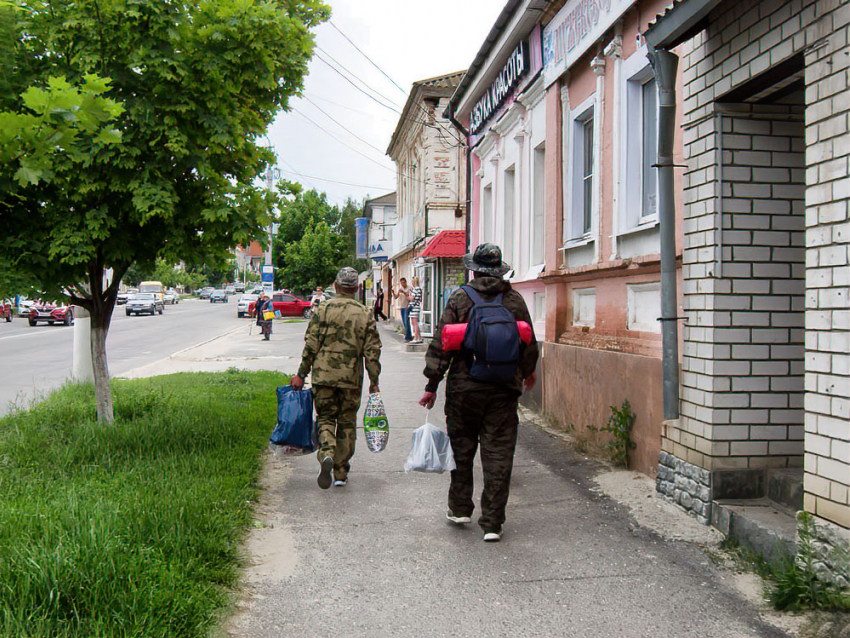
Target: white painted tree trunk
<point x="102" y="390"/>
<point x="83" y="371"/>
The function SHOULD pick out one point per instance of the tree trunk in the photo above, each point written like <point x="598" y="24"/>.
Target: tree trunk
<point x="102" y="390"/>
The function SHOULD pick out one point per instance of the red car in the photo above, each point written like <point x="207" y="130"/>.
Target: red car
<point x="51" y="312"/>
<point x="6" y="310"/>
<point x="287" y="305"/>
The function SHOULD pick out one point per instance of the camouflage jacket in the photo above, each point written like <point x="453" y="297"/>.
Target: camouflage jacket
<point x="438" y="361"/>
<point x="341" y="335"/>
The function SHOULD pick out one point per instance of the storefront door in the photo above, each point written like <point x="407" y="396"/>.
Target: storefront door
<point x="425" y="272"/>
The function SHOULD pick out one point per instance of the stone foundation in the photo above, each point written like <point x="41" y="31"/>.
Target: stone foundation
<point x="687" y="485"/>
<point x="831" y="546"/>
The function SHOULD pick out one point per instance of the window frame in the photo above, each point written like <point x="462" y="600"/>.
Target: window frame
<point x="577" y="294"/>
<point x="631" y="306"/>
<point x="574" y="192"/>
<point x="636" y="73"/>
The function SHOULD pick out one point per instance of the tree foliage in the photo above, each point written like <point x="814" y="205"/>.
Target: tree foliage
<point x="314" y="240"/>
<point x="198" y="83"/>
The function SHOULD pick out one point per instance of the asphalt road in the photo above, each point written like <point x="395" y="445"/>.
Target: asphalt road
<point x="37" y="359"/>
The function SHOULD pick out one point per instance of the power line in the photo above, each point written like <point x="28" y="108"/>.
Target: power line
<point x="357" y="77"/>
<point x="334" y="181"/>
<point x="324" y="130"/>
<point x="330" y="117"/>
<point x="416" y="104"/>
<point x="344" y="77"/>
<point x="367" y="57"/>
<point x="349" y="108"/>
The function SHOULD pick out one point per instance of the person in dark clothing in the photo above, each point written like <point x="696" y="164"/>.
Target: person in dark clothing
<point x="379" y="304"/>
<point x="480" y="413"/>
<point x="264" y="304"/>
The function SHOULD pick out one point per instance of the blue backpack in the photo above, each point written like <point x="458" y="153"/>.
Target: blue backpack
<point x="491" y="341"/>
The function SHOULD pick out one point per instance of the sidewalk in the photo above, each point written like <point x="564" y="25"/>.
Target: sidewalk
<point x="377" y="558"/>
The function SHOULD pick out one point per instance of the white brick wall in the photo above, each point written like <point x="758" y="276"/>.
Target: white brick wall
<point x="766" y="362"/>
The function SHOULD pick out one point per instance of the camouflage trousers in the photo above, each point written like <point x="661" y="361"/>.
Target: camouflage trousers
<point x="488" y="419"/>
<point x="337" y="425"/>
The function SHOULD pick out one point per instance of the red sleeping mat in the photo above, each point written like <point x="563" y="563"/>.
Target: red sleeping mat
<point x="453" y="334"/>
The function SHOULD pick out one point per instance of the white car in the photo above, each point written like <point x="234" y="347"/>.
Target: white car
<point x="244" y="301"/>
<point x="24" y="307"/>
<point x="171" y="297"/>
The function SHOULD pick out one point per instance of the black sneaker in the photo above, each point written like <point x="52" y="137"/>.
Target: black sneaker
<point x="324" y="479"/>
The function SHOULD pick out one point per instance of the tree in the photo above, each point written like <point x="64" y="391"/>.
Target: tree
<point x="199" y="82"/>
<point x="309" y="215"/>
<point x="314" y="259"/>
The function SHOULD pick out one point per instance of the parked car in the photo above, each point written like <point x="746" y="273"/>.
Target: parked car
<point x="242" y="306"/>
<point x="287" y="305"/>
<point x="206" y="292"/>
<point x="144" y="303"/>
<point x="52" y="312"/>
<point x="171" y="297"/>
<point x="217" y="295"/>
<point x="6" y="309"/>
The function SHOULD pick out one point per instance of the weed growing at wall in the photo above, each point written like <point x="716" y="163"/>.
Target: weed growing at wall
<point x="619" y="425"/>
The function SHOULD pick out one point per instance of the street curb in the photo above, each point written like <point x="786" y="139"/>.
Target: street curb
<point x="174" y="354"/>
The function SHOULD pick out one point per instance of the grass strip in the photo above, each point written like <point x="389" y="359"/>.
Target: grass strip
<point x="131" y="529"/>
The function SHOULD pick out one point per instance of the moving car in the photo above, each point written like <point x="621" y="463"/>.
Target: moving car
<point x="230" y="290"/>
<point x="24" y="306"/>
<point x="218" y="295"/>
<point x="6" y="309"/>
<point x="171" y="297"/>
<point x="144" y="303"/>
<point x="154" y="287"/>
<point x="206" y="292"/>
<point x="52" y="312"/>
<point x="242" y="306"/>
<point x="239" y="286"/>
<point x="287" y="305"/>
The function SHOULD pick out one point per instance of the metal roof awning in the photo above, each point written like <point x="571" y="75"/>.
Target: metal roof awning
<point x="446" y="244"/>
<point x="680" y="21"/>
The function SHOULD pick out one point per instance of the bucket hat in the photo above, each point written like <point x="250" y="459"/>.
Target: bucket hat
<point x="486" y="259"/>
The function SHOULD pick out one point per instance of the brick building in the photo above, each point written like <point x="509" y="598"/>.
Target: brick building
<point x="765" y="386"/>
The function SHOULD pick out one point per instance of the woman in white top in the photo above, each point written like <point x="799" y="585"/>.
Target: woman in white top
<point x="414" y="308"/>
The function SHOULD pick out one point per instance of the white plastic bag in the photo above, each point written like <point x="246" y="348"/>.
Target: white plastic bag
<point x="430" y="451"/>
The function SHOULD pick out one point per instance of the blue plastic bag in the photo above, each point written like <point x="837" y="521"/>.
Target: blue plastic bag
<point x="295" y="426"/>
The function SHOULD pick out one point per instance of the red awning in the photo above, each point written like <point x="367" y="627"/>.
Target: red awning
<point x="447" y="243"/>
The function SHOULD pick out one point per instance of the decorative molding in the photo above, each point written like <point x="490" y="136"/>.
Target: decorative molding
<point x="614" y="48"/>
<point x="533" y="93"/>
<point x="507" y="122"/>
<point x="598" y="65"/>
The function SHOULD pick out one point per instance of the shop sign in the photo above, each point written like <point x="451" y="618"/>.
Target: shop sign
<point x="574" y="29"/>
<point x="361" y="237"/>
<point x="505" y="82"/>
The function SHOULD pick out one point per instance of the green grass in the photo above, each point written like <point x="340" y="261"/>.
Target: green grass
<point x="131" y="529"/>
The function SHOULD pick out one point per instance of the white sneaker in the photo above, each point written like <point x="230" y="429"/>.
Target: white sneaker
<point x="324" y="478"/>
<point x="457" y="520"/>
<point x="492" y="537"/>
<point x="341" y="482"/>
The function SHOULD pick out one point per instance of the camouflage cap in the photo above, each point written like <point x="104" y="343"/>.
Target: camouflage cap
<point x="346" y="278"/>
<point x="486" y="259"/>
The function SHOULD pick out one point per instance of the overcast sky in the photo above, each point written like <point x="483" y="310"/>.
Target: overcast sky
<point x="409" y="41"/>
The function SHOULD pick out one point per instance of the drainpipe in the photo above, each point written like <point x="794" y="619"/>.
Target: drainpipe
<point x="468" y="222"/>
<point x="665" y="64"/>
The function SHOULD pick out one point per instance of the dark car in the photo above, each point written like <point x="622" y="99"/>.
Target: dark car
<point x="218" y="295"/>
<point x="287" y="305"/>
<point x="148" y="303"/>
<point x="6" y="309"/>
<point x="204" y="293"/>
<point x="52" y="312"/>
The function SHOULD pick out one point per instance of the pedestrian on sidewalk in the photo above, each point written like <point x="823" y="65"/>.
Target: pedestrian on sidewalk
<point x="402" y="293"/>
<point x="318" y="299"/>
<point x="341" y="336"/>
<point x="415" y="309"/>
<point x="379" y="304"/>
<point x="482" y="400"/>
<point x="262" y="306"/>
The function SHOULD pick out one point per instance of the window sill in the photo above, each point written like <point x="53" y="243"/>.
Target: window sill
<point x="584" y="240"/>
<point x="640" y="228"/>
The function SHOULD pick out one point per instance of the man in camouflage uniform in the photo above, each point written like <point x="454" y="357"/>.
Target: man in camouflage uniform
<point x="340" y="337"/>
<point x="480" y="413"/>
